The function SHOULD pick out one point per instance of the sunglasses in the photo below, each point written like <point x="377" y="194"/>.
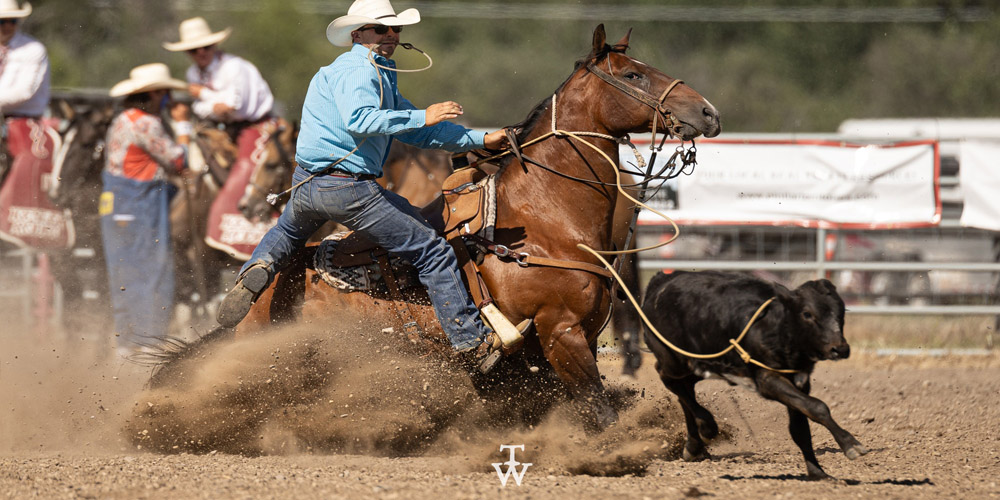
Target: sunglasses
<point x="8" y="21"/>
<point x="199" y="49"/>
<point x="382" y="29"/>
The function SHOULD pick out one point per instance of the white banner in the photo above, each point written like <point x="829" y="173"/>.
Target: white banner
<point x="804" y="183"/>
<point x="979" y="178"/>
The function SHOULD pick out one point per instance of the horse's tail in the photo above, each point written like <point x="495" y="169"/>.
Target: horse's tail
<point x="172" y="350"/>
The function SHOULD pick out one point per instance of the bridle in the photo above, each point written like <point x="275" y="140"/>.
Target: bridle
<point x="660" y="111"/>
<point x="657" y="104"/>
<point x="284" y="161"/>
<point x="669" y="170"/>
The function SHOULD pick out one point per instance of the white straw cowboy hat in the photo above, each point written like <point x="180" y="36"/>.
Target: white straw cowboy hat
<point x="8" y="9"/>
<point x="195" y="33"/>
<point x="146" y="78"/>
<point x="364" y="12"/>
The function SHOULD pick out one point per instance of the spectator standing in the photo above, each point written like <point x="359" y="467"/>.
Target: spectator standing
<point x="134" y="207"/>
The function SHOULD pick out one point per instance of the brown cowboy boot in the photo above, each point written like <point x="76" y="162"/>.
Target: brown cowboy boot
<point x="237" y="303"/>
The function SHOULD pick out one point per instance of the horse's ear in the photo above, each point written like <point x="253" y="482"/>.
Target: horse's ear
<point x="68" y="113"/>
<point x="622" y="44"/>
<point x="600" y="39"/>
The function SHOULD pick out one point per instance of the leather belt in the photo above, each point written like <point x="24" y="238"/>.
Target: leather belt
<point x="349" y="175"/>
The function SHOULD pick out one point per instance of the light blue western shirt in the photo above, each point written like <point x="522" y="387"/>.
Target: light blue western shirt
<point x="342" y="108"/>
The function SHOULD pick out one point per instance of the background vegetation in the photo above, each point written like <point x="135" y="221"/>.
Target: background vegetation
<point x="763" y="76"/>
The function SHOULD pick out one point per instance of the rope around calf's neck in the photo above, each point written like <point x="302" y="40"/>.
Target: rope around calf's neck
<point x="733" y="343"/>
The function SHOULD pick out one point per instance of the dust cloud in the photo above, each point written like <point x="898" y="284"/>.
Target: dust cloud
<point x="63" y="391"/>
<point x="347" y="388"/>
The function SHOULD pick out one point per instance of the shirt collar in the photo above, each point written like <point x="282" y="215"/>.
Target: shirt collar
<point x="363" y="52"/>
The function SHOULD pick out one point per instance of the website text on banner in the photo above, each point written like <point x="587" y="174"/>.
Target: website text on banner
<point x="802" y="183"/>
<point x="979" y="178"/>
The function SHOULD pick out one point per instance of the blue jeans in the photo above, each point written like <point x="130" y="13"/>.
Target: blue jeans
<point x="135" y="229"/>
<point x="388" y="220"/>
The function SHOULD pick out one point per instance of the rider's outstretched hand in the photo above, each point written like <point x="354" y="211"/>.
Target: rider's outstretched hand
<point x="437" y="113"/>
<point x="496" y="140"/>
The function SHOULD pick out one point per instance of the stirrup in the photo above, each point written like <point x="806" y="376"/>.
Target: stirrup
<point x="507" y="336"/>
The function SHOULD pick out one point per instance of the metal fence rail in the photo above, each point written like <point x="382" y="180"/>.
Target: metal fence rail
<point x="819" y="267"/>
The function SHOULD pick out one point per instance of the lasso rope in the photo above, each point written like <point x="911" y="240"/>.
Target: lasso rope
<point x="273" y="198"/>
<point x="733" y="343"/>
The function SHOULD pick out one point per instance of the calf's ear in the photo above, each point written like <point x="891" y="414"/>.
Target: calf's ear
<point x="785" y="295"/>
<point x="822" y="286"/>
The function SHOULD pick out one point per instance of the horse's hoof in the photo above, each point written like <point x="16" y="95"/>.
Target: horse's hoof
<point x="708" y="429"/>
<point x="598" y="418"/>
<point x="815" y="473"/>
<point x="855" y="451"/>
<point x="696" y="457"/>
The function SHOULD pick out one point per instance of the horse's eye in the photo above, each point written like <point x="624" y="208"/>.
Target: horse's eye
<point x="633" y="76"/>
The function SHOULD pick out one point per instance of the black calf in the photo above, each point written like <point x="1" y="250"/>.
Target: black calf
<point x="701" y="312"/>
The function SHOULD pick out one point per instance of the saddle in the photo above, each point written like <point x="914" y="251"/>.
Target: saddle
<point x="466" y="205"/>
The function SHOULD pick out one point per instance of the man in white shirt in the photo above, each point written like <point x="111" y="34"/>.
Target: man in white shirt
<point x="27" y="217"/>
<point x="230" y="90"/>
<point x="24" y="66"/>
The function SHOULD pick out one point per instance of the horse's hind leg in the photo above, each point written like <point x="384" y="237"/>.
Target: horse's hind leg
<point x="700" y="422"/>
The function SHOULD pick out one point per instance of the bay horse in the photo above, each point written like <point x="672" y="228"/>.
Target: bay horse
<point x="559" y="192"/>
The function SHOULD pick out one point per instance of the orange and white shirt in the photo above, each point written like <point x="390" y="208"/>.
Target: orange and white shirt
<point x="139" y="148"/>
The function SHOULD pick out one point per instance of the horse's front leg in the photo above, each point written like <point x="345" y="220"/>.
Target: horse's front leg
<point x="567" y="350"/>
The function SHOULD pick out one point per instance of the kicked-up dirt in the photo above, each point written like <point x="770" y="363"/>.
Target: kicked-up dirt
<point x="364" y="421"/>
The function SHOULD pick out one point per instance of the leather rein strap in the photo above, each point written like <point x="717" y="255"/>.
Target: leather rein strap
<point x="525" y="259"/>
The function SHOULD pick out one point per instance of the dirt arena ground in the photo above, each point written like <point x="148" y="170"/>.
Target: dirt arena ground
<point x="74" y="419"/>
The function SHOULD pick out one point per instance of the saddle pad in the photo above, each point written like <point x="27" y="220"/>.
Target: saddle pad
<point x="345" y="263"/>
<point x="28" y="218"/>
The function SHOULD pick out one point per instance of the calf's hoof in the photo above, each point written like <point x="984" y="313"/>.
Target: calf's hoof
<point x="697" y="456"/>
<point x="855" y="451"/>
<point x="815" y="473"/>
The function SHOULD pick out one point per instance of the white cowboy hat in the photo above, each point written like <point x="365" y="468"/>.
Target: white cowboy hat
<point x="364" y="12"/>
<point x="146" y="78"/>
<point x="195" y="33"/>
<point x="8" y="9"/>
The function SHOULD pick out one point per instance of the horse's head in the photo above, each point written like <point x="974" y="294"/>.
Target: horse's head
<point x="80" y="158"/>
<point x="629" y="96"/>
<point x="271" y="174"/>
